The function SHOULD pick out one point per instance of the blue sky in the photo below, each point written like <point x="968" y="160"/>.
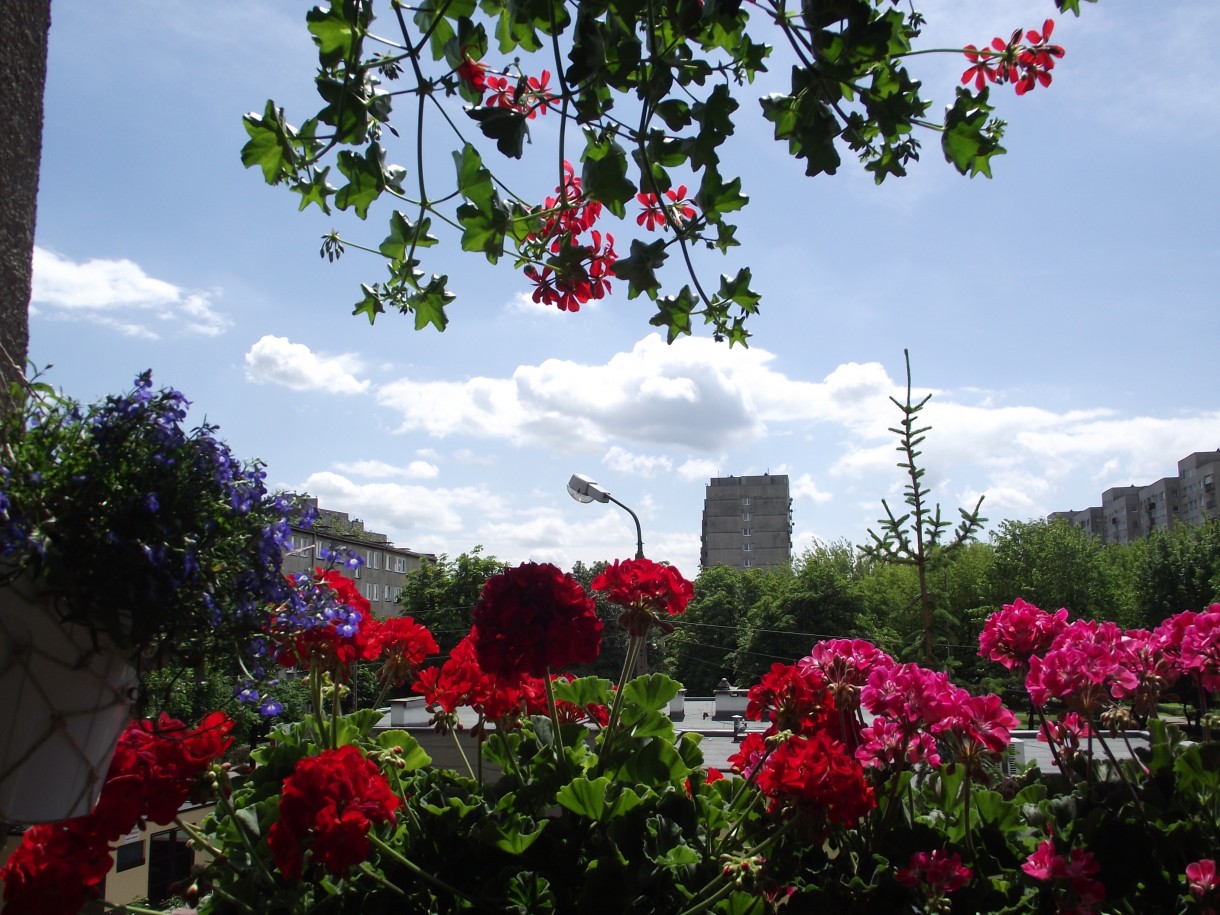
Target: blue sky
<point x="1062" y="314"/>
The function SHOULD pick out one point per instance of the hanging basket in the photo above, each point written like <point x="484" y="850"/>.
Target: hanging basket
<point x="63" y="704"/>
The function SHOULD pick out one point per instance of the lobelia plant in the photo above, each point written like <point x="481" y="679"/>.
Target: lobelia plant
<point x="870" y="785"/>
<point x="648" y="95"/>
<point x="153" y="536"/>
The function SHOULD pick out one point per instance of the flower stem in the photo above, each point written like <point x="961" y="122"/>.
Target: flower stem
<point x="393" y="853"/>
<point x="558" y="738"/>
<point x="633" y="649"/>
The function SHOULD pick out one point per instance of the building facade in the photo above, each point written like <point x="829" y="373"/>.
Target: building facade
<point x="380" y="578"/>
<point x="747" y="522"/>
<point x="1130" y="512"/>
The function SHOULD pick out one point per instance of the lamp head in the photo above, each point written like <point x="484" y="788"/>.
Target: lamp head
<point x="583" y="489"/>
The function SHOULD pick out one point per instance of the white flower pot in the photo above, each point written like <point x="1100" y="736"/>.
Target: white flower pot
<point x="63" y="704"/>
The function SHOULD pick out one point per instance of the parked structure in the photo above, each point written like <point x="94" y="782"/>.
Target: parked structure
<point x="384" y="564"/>
<point x="1130" y="512"/>
<point x="747" y="522"/>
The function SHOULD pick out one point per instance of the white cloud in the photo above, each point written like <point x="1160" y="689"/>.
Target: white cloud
<point x="120" y="295"/>
<point x="803" y="487"/>
<point x="643" y="465"/>
<point x="294" y="365"/>
<point x="401" y="509"/>
<point x="700" y="468"/>
<point x="695" y="394"/>
<point x="415" y="470"/>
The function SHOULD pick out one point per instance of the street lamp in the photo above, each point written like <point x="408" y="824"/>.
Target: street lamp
<point x="583" y="489"/>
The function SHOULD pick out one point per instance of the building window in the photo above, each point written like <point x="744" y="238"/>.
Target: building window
<point x="170" y="862"/>
<point x="746" y="532"/>
<point x="748" y="563"/>
<point x="745" y="516"/>
<point x="400" y="564"/>
<point x="745" y="500"/>
<point x="375" y="559"/>
<point x="129" y="855"/>
<point x="370" y="591"/>
<point x="746" y="547"/>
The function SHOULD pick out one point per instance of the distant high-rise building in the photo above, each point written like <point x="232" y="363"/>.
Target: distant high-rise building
<point x="1130" y="512"/>
<point x="747" y="522"/>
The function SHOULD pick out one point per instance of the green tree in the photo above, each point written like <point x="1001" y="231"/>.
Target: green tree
<point x="441" y="595"/>
<point x="1178" y="570"/>
<point x="646" y="95"/>
<point x="1051" y="564"/>
<point x="698" y="652"/>
<point x="920" y="538"/>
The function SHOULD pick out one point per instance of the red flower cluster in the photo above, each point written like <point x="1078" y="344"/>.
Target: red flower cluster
<point x="937" y="872"/>
<point x="653" y="215"/>
<point x="793" y="701"/>
<point x="801" y="763"/>
<point x="1018" y="632"/>
<point x="575" y="270"/>
<point x="327" y="806"/>
<point x="1080" y="894"/>
<point x="527" y="96"/>
<point x="534" y="619"/>
<point x="402" y="644"/>
<point x="645" y="589"/>
<point x="1023" y="65"/>
<point x="58" y="866"/>
<point x="460" y="681"/>
<point x="811" y="776"/>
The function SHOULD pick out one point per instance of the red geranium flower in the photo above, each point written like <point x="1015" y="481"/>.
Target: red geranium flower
<point x="404" y="644"/>
<point x="793" y="701"/>
<point x="644" y="589"/>
<point x="474" y="74"/>
<point x="534" y="619"/>
<point x="327" y="806"/>
<point x="814" y="777"/>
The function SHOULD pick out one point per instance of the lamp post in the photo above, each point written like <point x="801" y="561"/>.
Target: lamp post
<point x="583" y="489"/>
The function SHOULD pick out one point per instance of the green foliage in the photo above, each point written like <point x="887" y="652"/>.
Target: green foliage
<point x="441" y="594"/>
<point x="655" y="89"/>
<point x="1178" y="570"/>
<point x="1052" y="564"/>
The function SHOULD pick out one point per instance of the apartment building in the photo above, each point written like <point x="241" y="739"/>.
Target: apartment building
<point x="747" y="522"/>
<point x="1130" y="512"/>
<point x="380" y="578"/>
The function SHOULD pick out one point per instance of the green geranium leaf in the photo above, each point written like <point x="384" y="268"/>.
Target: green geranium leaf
<point x="604" y="175"/>
<point x="270" y="146"/>
<point x="407" y="750"/>
<point x="339" y="30"/>
<point x="404" y="234"/>
<point x="597" y="799"/>
<point x="584" y="691"/>
<point x="654" y="762"/>
<point x="315" y="189"/>
<point x="674" y="313"/>
<point x="739" y="903"/>
<point x="528" y="894"/>
<point x="716" y="198"/>
<point x="737" y="290"/>
<point x="651" y="692"/>
<point x="513" y="835"/>
<point x="970" y="139"/>
<point x="368" y="177"/>
<point x="639" y="268"/>
<point x="504" y="125"/>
